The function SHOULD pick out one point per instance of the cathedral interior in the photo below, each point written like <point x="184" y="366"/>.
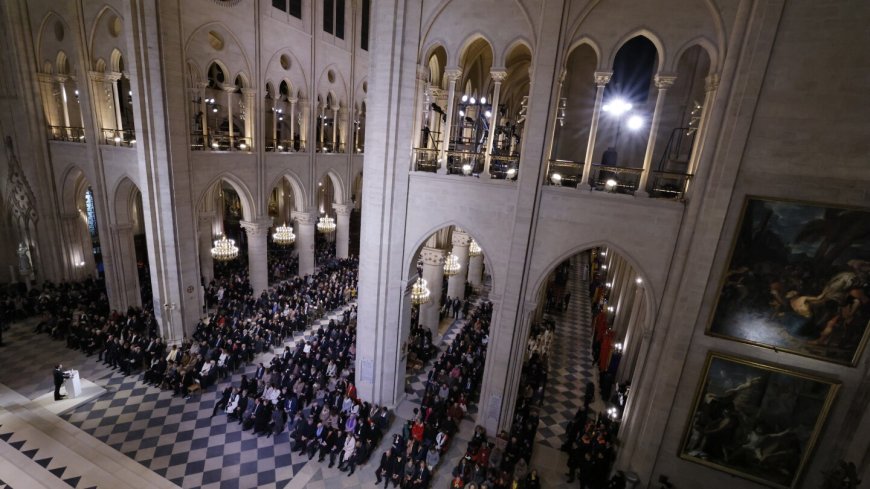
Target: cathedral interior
<point x="440" y="243"/>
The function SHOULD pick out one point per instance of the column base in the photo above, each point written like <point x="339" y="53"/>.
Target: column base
<point x="584" y="186"/>
<point x="441" y="171"/>
<point x="641" y="193"/>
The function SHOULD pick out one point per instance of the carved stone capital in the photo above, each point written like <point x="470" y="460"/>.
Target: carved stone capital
<point x="422" y="72"/>
<point x="436" y="93"/>
<point x="453" y="75"/>
<point x="460" y="239"/>
<point x="293" y="100"/>
<point x="259" y="227"/>
<point x="248" y="92"/>
<point x="602" y="78"/>
<point x="114" y="76"/>
<point x="711" y="83"/>
<point x="303" y="218"/>
<point x="432" y="256"/>
<point x="45" y="77"/>
<point x="61" y="78"/>
<point x="498" y="76"/>
<point x="664" y="82"/>
<point x="230" y="89"/>
<point x="342" y="209"/>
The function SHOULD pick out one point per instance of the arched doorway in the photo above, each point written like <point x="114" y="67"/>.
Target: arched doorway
<point x="580" y="357"/>
<point x="446" y="310"/>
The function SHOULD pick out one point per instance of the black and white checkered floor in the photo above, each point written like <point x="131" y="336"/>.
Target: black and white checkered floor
<point x="571" y="364"/>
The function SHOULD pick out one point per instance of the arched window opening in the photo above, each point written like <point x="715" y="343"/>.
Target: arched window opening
<point x="574" y="112"/>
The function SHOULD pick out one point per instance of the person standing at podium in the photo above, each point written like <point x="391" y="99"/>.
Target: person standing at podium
<point x="59" y="376"/>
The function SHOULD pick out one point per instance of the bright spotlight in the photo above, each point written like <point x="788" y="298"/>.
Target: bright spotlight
<point x="465" y="98"/>
<point x="483" y="100"/>
<point x="556" y="178"/>
<point x="471" y="100"/>
<point x="635" y="122"/>
<point x="488" y="114"/>
<point x="466" y="169"/>
<point x="617" y="107"/>
<point x="461" y="113"/>
<point x="610" y="184"/>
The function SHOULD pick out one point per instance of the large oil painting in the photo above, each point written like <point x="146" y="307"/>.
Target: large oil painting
<point x="756" y="421"/>
<point x="798" y="280"/>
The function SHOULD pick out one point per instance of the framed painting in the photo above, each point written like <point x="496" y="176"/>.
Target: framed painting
<point x="756" y="421"/>
<point x="798" y="280"/>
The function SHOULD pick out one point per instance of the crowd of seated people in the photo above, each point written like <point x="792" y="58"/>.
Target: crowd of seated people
<point x="453" y="380"/>
<point x="503" y="463"/>
<point x="420" y="347"/>
<point x="282" y="265"/>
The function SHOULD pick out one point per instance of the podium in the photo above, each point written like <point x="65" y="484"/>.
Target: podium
<point x="73" y="384"/>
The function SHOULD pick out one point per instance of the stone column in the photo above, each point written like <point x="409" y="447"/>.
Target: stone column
<point x="126" y="263"/>
<point x="305" y="222"/>
<point x="433" y="274"/>
<point x="711" y="84"/>
<point x="452" y="77"/>
<point x="112" y="79"/>
<point x="203" y="107"/>
<point x="497" y="78"/>
<point x="230" y="91"/>
<point x="206" y="262"/>
<point x="602" y="78"/>
<point x="322" y="123"/>
<point x="342" y="229"/>
<point x="257" y="262"/>
<point x="475" y="270"/>
<point x="46" y="89"/>
<point x="633" y="335"/>
<point x="663" y="82"/>
<point x="456" y="283"/>
<point x="248" y="95"/>
<point x="293" y="123"/>
<point x="304" y="120"/>
<point x="422" y="86"/>
<point x="335" y="125"/>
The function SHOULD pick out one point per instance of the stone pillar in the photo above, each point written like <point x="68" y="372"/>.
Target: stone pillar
<point x="497" y="78"/>
<point x="230" y="91"/>
<point x="433" y="274"/>
<point x="126" y="264"/>
<point x="61" y="81"/>
<point x="452" y="77"/>
<point x="292" y="143"/>
<point x="342" y="229"/>
<point x="248" y="95"/>
<point x="422" y="86"/>
<point x="633" y="335"/>
<point x="475" y="270"/>
<point x="305" y="222"/>
<point x="304" y="120"/>
<point x="203" y="107"/>
<point x="335" y="125"/>
<point x="112" y="80"/>
<point x="602" y="78"/>
<point x="711" y="84"/>
<point x="257" y="262"/>
<point x="663" y="82"/>
<point x="322" y="123"/>
<point x="206" y="262"/>
<point x="456" y="283"/>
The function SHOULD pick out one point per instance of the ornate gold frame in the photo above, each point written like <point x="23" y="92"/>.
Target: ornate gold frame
<point x="833" y="388"/>
<point x="708" y="330"/>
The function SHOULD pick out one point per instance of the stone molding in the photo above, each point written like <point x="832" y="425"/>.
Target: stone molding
<point x="259" y="227"/>
<point x="343" y="209"/>
<point x="602" y="78"/>
<point x="432" y="256"/>
<point x="664" y="82"/>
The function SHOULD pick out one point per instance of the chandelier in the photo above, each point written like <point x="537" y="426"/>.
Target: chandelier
<point x="451" y="265"/>
<point x="283" y="235"/>
<point x="224" y="249"/>
<point x="474" y="249"/>
<point x="419" y="292"/>
<point x="326" y="225"/>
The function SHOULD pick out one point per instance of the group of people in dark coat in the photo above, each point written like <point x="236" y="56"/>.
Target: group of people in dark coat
<point x="454" y="378"/>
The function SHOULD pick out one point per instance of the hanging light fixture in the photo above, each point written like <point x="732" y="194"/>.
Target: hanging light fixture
<point x="326" y="225"/>
<point x="420" y="292"/>
<point x="474" y="249"/>
<point x="451" y="265"/>
<point x="283" y="235"/>
<point x="224" y="249"/>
